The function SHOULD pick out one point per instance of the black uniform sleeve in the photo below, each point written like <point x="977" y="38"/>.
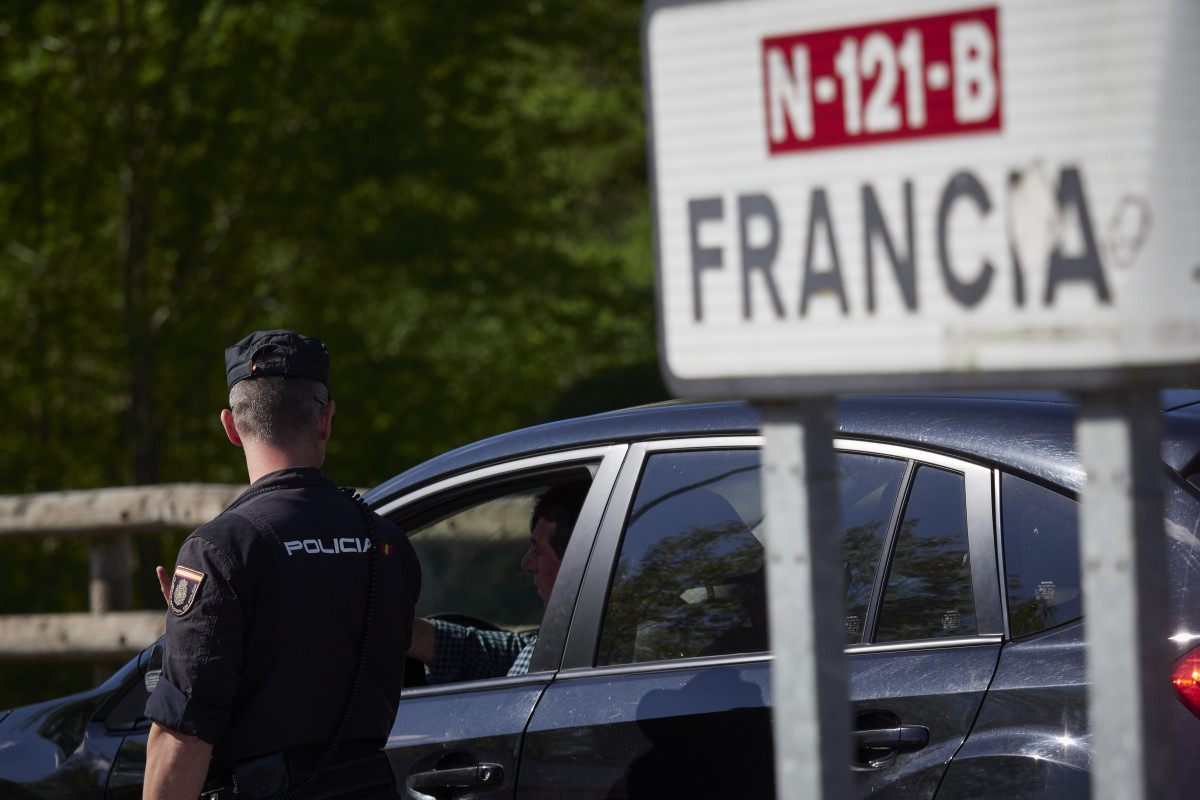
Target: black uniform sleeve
<point x="202" y="658"/>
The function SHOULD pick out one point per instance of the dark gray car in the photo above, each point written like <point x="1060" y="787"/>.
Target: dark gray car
<point x="962" y="611"/>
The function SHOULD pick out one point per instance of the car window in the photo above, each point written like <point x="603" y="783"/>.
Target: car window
<point x="689" y="579"/>
<point x="928" y="593"/>
<point x="1041" y="555"/>
<point x="471" y="560"/>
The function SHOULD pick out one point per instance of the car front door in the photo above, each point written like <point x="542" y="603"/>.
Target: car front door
<point x="665" y="682"/>
<point x="459" y="738"/>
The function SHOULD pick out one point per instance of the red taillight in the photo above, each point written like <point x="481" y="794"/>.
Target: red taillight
<point x="1186" y="677"/>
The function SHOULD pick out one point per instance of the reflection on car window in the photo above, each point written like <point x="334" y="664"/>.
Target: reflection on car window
<point x="1041" y="556"/>
<point x="868" y="486"/>
<point x="928" y="592"/>
<point x="689" y="580"/>
<point x="471" y="562"/>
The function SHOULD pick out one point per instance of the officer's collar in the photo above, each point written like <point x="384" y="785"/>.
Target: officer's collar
<point x="286" y="478"/>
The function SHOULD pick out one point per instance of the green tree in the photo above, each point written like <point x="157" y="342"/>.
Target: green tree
<point x="451" y="195"/>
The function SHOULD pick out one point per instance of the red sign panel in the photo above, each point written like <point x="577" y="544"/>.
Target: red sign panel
<point x="904" y="79"/>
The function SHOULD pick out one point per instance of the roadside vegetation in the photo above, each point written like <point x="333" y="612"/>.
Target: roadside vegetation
<point x="452" y="196"/>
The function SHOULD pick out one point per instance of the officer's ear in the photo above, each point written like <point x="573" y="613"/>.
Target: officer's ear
<point x="230" y="428"/>
<point x="325" y="421"/>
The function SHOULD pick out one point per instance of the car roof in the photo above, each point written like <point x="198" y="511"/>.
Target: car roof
<point x="1026" y="432"/>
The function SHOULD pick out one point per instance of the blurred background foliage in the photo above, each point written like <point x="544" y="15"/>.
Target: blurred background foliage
<point x="451" y="194"/>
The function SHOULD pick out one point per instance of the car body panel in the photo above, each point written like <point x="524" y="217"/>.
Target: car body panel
<point x="464" y="725"/>
<point x="1033" y="722"/>
<point x="53" y="750"/>
<point x="65" y="749"/>
<point x="652" y="732"/>
<point x="1029" y="432"/>
<point x="937" y="689"/>
<point x="125" y="777"/>
<point x="1032" y="433"/>
<point x="1182" y="522"/>
<point x="617" y="733"/>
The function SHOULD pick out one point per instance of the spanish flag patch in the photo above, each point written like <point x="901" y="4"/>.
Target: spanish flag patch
<point x="185" y="586"/>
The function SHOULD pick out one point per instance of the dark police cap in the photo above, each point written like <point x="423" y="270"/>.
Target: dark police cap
<point x="266" y="353"/>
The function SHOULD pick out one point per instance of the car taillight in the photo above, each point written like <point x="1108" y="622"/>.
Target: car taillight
<point x="1186" y="677"/>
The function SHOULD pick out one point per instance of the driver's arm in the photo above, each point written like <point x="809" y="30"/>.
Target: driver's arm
<point x="422" y="641"/>
<point x="462" y="653"/>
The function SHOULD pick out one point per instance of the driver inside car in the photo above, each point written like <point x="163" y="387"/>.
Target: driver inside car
<point x="453" y="652"/>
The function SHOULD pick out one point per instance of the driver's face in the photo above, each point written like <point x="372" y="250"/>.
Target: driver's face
<point x="541" y="560"/>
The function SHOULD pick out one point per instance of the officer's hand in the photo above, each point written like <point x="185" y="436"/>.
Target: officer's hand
<point x="164" y="582"/>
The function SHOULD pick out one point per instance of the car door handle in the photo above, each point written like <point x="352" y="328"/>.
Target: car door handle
<point x="458" y="778"/>
<point x="902" y="738"/>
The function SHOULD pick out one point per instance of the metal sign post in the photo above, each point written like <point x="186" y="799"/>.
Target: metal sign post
<point x="808" y="675"/>
<point x="1123" y="557"/>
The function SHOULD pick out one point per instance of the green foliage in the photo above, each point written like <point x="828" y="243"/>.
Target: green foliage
<point x="451" y="195"/>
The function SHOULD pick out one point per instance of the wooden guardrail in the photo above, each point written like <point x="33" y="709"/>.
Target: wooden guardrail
<point x="109" y="518"/>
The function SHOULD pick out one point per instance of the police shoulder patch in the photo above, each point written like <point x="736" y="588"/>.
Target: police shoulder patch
<point x="185" y="586"/>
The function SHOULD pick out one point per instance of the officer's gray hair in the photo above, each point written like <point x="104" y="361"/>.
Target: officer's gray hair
<point x="277" y="410"/>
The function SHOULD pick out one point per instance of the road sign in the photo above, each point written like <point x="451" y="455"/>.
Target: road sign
<point x="866" y="196"/>
<point x="870" y="196"/>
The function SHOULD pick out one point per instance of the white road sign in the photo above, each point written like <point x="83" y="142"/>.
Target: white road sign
<point x="859" y="196"/>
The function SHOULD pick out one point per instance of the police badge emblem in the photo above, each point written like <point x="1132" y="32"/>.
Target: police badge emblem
<point x="184" y="588"/>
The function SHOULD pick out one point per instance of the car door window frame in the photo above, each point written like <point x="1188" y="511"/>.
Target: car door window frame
<point x="981" y="536"/>
<point x="603" y="461"/>
<point x="583" y="636"/>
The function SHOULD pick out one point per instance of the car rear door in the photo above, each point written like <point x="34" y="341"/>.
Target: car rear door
<point x="665" y="682"/>
<point x="932" y="636"/>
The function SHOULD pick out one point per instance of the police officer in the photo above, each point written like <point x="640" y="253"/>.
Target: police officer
<point x="289" y="613"/>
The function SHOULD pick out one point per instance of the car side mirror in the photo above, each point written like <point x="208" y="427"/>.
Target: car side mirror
<point x="154" y="667"/>
<point x="128" y="712"/>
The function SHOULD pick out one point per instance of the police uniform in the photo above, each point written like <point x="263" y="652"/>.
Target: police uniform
<point x="268" y="605"/>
